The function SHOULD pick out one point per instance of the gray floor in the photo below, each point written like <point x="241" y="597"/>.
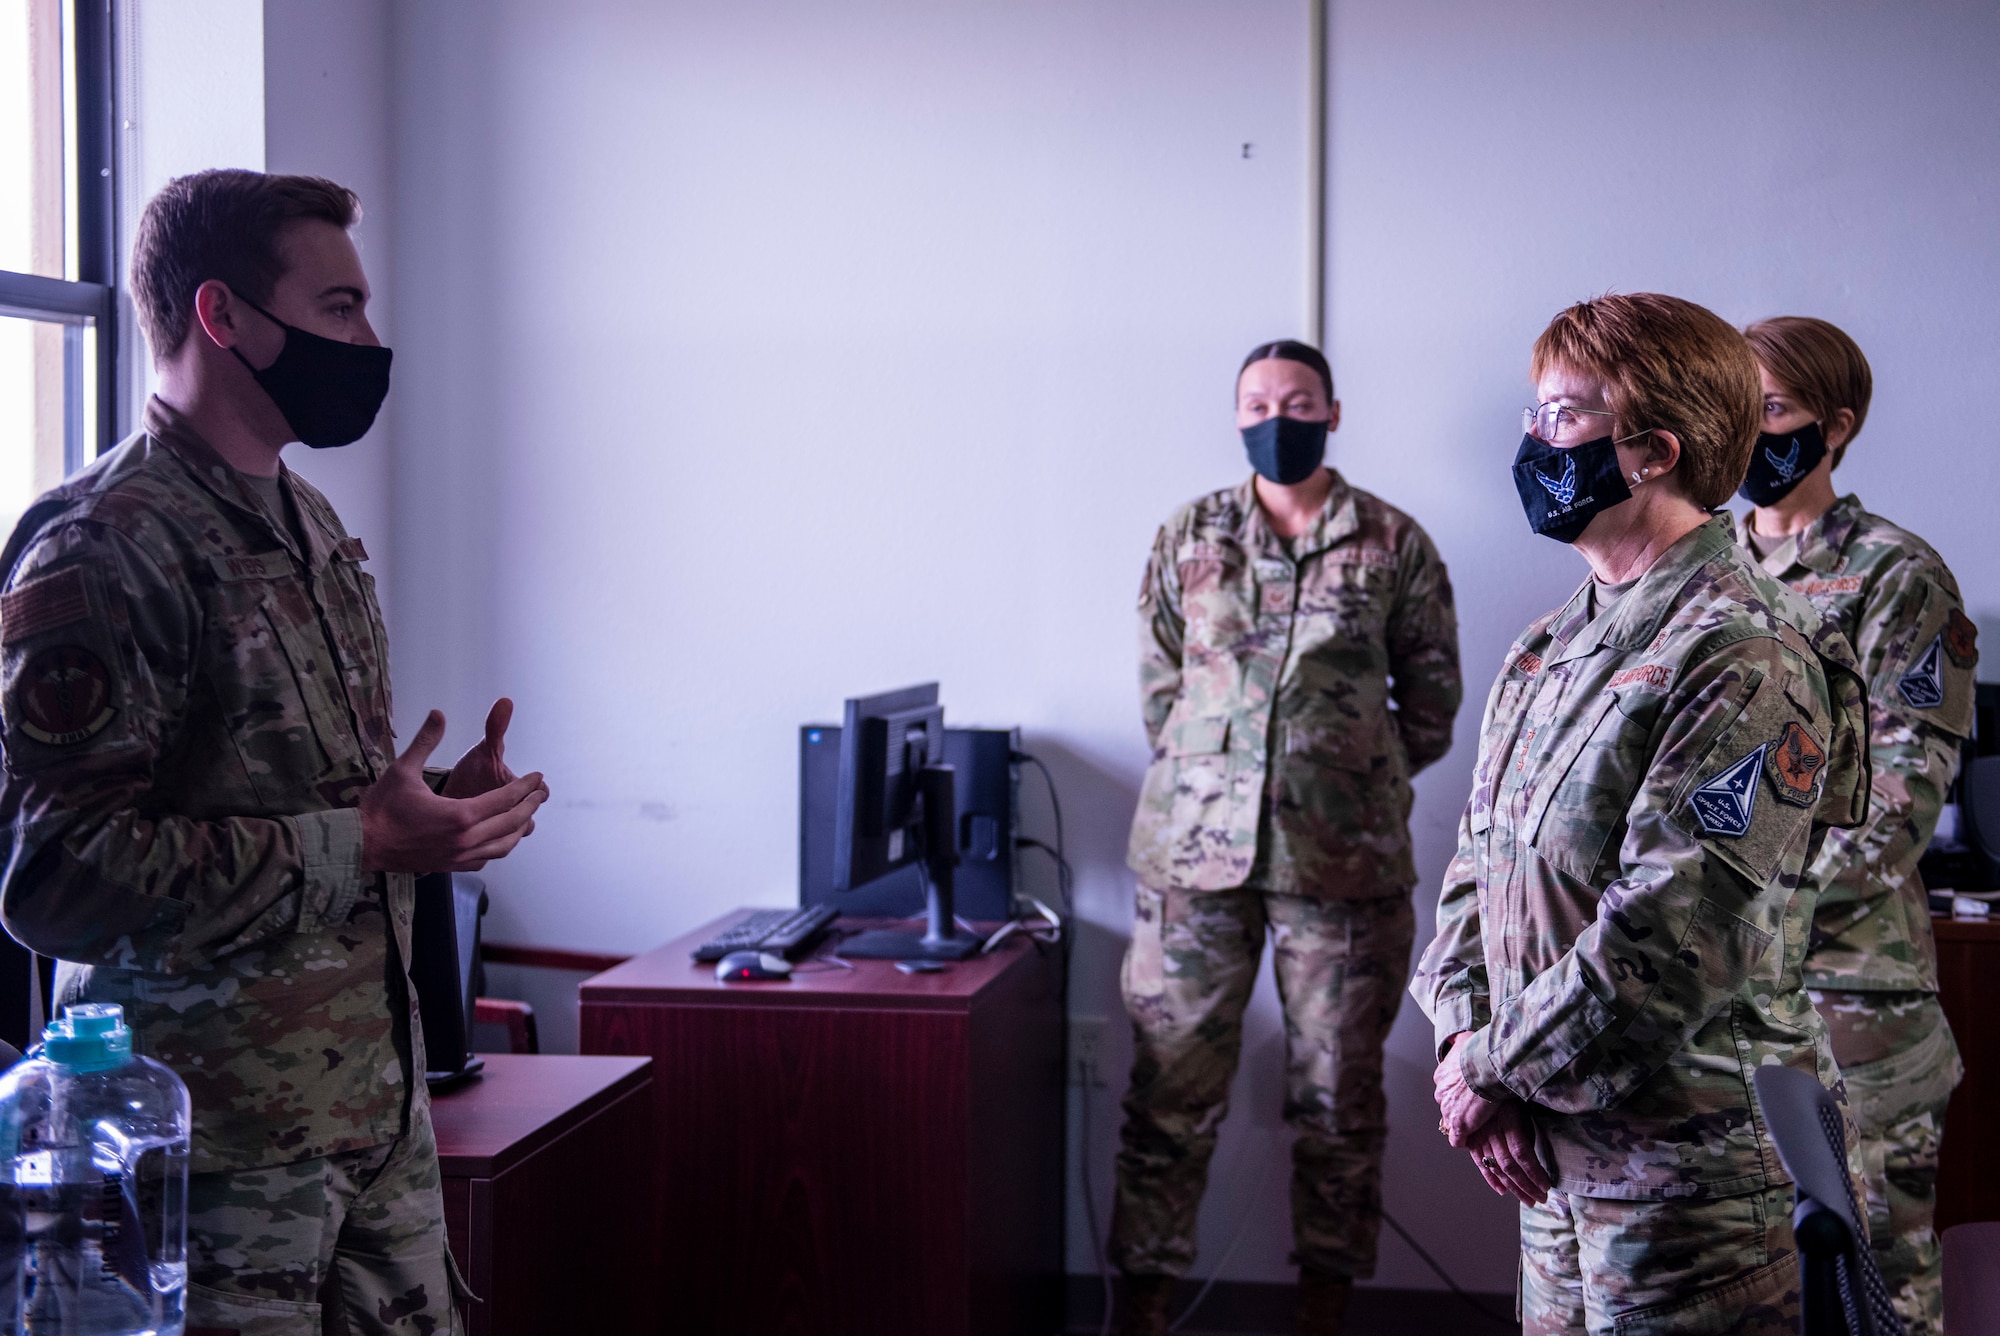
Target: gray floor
<point x="1234" y="1309"/>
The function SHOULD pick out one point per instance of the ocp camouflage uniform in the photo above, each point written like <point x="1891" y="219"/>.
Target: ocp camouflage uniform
<point x="1279" y="799"/>
<point x="1623" y="930"/>
<point x="1873" y="964"/>
<point x="192" y="706"/>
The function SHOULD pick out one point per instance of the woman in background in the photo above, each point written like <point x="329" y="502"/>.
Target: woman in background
<point x="1621" y="934"/>
<point x="1872" y="965"/>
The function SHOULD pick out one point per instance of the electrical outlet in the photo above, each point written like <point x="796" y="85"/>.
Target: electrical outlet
<point x="1086" y="1050"/>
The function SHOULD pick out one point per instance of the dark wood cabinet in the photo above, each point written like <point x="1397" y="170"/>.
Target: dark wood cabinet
<point x="546" y="1163"/>
<point x="855" y="1151"/>
<point x="1969" y="988"/>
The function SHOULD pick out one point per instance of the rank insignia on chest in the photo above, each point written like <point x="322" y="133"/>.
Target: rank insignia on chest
<point x="1796" y="763"/>
<point x="1923" y="685"/>
<point x="1726" y="803"/>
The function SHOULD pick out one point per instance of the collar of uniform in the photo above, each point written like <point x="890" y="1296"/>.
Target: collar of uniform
<point x="1338" y="518"/>
<point x="1635" y="619"/>
<point x="167" y="425"/>
<point x="1822" y="544"/>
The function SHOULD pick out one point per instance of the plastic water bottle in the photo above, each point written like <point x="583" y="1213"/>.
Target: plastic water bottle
<point x="93" y="1185"/>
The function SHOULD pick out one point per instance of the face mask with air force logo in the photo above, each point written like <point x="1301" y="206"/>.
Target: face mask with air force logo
<point x="1562" y="490"/>
<point x="1781" y="462"/>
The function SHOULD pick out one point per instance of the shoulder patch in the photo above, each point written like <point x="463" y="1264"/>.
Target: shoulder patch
<point x="1923" y="685"/>
<point x="1796" y="764"/>
<point x="1656" y="675"/>
<point x="1726" y="802"/>
<point x="1961" y="639"/>
<point x="351" y="549"/>
<point x="64" y="696"/>
<point x="43" y="605"/>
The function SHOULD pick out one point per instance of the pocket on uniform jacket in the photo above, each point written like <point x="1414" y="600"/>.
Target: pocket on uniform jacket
<point x="267" y="693"/>
<point x="1573" y="819"/>
<point x="1201" y="735"/>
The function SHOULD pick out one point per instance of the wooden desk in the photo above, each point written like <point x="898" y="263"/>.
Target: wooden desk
<point x="856" y="1151"/>
<point x="539" y="1156"/>
<point x="1969" y="988"/>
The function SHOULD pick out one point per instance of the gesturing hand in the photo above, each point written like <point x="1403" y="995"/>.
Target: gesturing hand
<point x="482" y="769"/>
<point x="1464" y="1110"/>
<point x="407" y="828"/>
<point x="1504" y="1151"/>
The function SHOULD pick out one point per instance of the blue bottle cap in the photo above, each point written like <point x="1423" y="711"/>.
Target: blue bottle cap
<point x="91" y="1037"/>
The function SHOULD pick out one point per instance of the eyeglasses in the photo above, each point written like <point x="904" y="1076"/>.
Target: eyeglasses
<point x="1549" y="420"/>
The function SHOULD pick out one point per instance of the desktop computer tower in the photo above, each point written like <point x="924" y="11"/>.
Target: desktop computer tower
<point x="984" y="792"/>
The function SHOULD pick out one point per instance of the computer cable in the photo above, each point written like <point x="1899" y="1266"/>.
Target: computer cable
<point x="1087" y="1075"/>
<point x="1060" y="852"/>
<point x="1505" y="1320"/>
<point x="1228" y="1251"/>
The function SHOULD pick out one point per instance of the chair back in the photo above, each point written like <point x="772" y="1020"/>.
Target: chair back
<point x="1972" y="1279"/>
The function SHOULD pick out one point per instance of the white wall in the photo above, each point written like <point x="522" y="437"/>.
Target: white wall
<point x="698" y="306"/>
<point x="1493" y="162"/>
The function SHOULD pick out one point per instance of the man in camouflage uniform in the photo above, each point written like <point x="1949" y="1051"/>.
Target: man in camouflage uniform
<point x="1621" y="934"/>
<point x="204" y="816"/>
<point x="1872" y="965"/>
<point x="1292" y="683"/>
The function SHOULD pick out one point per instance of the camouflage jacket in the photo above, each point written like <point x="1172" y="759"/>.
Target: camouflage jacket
<point x="191" y="708"/>
<point x="1898" y="605"/>
<point x="1624" y="924"/>
<point x="1290" y="690"/>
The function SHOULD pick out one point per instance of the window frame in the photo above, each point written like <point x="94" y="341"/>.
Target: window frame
<point x="93" y="297"/>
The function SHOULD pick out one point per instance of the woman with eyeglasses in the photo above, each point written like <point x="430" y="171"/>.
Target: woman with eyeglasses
<point x="1872" y="966"/>
<point x="1621" y="933"/>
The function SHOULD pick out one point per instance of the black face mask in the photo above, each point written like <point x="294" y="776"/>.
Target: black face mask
<point x="1562" y="490"/>
<point x="329" y="391"/>
<point x="1286" y="450"/>
<point x="1780" y="463"/>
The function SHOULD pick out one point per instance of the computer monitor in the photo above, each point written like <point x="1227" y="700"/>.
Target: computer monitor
<point x="895" y="807"/>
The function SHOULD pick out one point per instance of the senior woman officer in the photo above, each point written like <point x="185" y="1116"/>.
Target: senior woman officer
<point x="1621" y="933"/>
<point x="1873" y="964"/>
<point x="1298" y="663"/>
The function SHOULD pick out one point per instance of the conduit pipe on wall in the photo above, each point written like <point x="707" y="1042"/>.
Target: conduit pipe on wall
<point x="1316" y="35"/>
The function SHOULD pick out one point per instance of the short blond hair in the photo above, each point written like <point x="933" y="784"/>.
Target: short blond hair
<point x="1669" y="365"/>
<point x="1819" y="365"/>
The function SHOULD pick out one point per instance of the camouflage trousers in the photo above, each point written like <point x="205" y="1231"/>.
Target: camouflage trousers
<point x="1187" y="979"/>
<point x="1900" y="1064"/>
<point x="1687" y="1265"/>
<point x="367" y="1225"/>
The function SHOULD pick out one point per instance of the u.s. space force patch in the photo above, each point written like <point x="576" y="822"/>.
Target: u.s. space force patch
<point x="1923" y="685"/>
<point x="1726" y="803"/>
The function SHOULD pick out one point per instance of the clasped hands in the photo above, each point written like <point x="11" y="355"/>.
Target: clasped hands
<point x="482" y="811"/>
<point x="1498" y="1134"/>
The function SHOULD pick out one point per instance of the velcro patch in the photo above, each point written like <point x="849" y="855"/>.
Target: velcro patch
<point x="1797" y="762"/>
<point x="1363" y="556"/>
<point x="1528" y="662"/>
<point x="1727" y="803"/>
<point x="43" y="605"/>
<point x="252" y="566"/>
<point x="1845" y="584"/>
<point x="1655" y="675"/>
<point x="1923" y="685"/>
<point x="63" y="696"/>
<point x="1961" y="639"/>
<point x="351" y="549"/>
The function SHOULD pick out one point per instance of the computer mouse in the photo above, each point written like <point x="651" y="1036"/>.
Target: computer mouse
<point x="744" y="966"/>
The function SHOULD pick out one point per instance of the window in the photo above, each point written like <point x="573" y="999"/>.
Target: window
<point x="58" y="254"/>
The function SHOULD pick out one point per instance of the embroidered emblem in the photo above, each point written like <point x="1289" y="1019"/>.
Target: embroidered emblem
<point x="1656" y="675"/>
<point x="1563" y="489"/>
<point x="1659" y="640"/>
<point x="43" y="605"/>
<point x="1786" y="468"/>
<point x="1923" y="685"/>
<point x="1277" y="598"/>
<point x="1362" y="556"/>
<point x="64" y="696"/>
<point x="1529" y="662"/>
<point x="351" y="549"/>
<point x="1961" y="639"/>
<point x="1846" y="584"/>
<point x="1796" y="763"/>
<point x="1727" y="802"/>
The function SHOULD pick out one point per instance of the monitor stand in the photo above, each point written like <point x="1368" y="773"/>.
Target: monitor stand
<point x="942" y="940"/>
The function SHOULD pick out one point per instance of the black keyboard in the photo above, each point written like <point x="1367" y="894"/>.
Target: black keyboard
<point x="783" y="932"/>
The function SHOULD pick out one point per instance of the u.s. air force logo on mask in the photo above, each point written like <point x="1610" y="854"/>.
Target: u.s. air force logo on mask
<point x="1726" y="803"/>
<point x="1923" y="685"/>
<point x="1563" y="489"/>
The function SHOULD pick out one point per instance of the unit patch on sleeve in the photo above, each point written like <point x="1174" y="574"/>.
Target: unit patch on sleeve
<point x="1923" y="685"/>
<point x="43" y="605"/>
<point x="1726" y="803"/>
<point x="1796" y="764"/>
<point x="1961" y="639"/>
<point x="63" y="696"/>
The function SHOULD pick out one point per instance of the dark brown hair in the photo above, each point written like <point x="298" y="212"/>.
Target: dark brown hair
<point x="1669" y="365"/>
<point x="1291" y="350"/>
<point x="1819" y="365"/>
<point x="221" y="225"/>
